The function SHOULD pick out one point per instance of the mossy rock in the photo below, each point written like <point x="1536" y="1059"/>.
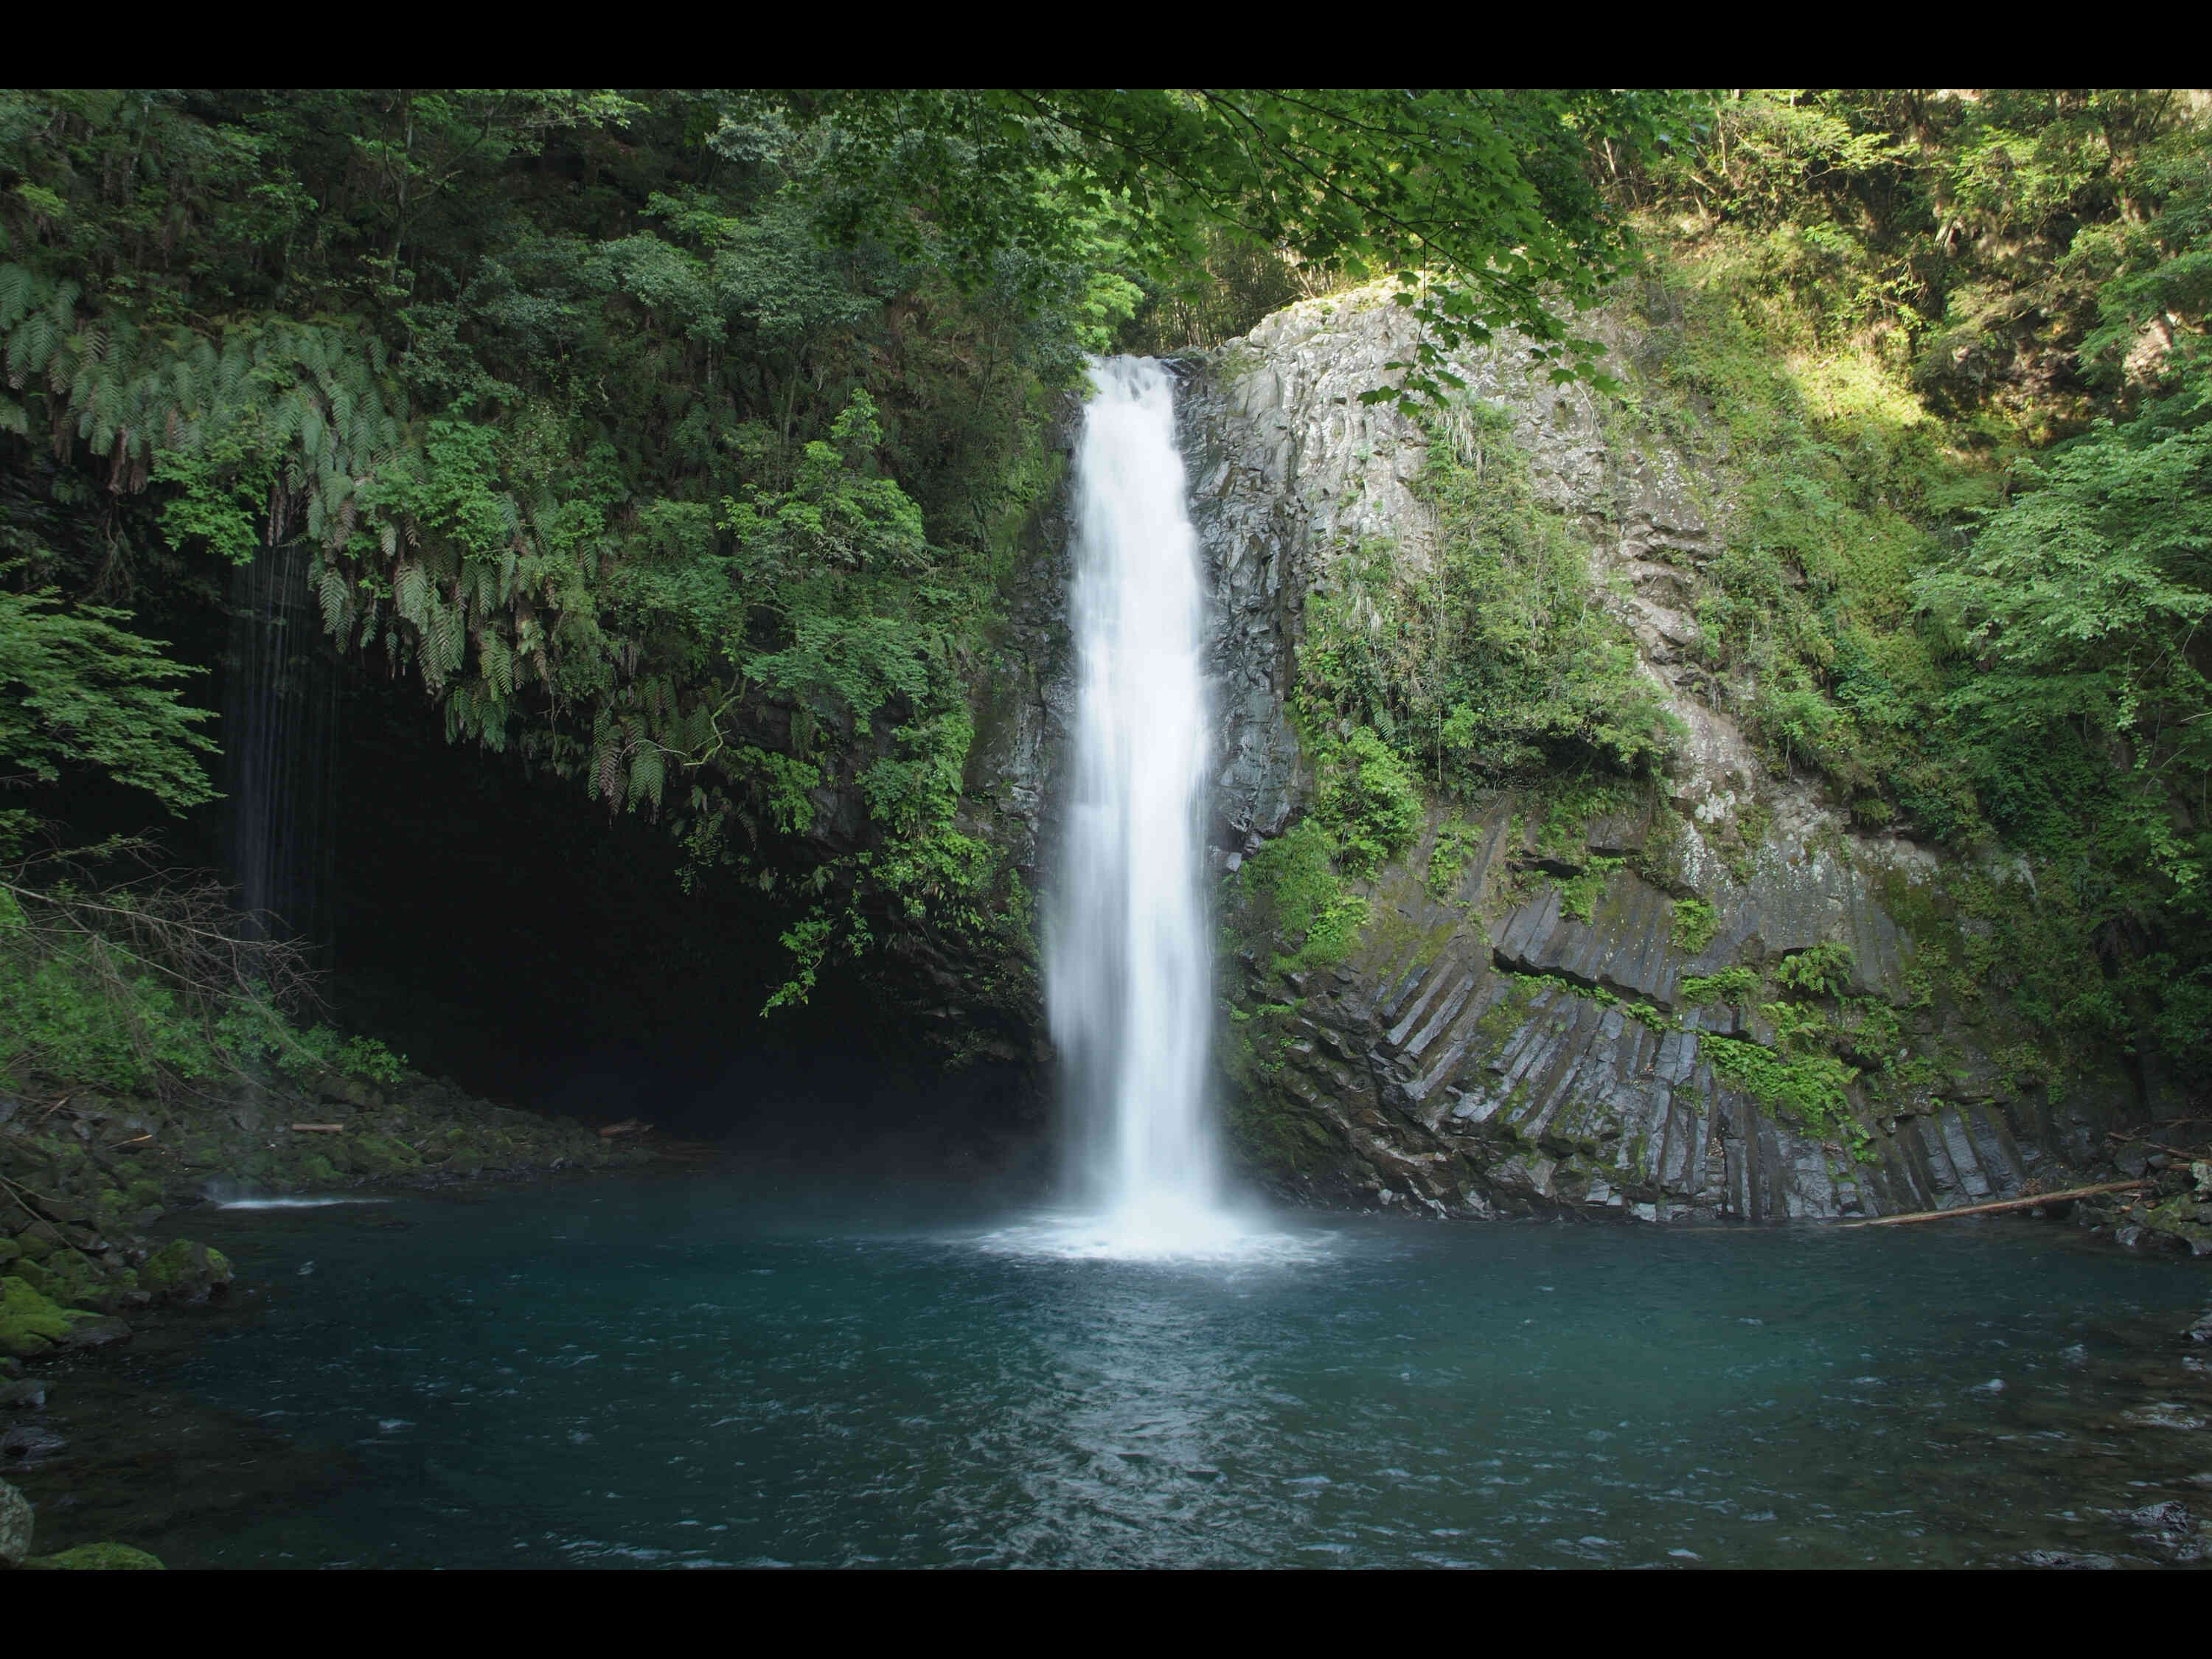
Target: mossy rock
<point x="63" y="1154"/>
<point x="2178" y="1217"/>
<point x="184" y="1271"/>
<point x="98" y="1557"/>
<point x="30" y="1322"/>
<point x="68" y="1279"/>
<point x="380" y="1155"/>
<point x="33" y="1273"/>
<point x="16" y="1522"/>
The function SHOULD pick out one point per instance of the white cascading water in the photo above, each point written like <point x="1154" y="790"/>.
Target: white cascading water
<point x="1129" y="961"/>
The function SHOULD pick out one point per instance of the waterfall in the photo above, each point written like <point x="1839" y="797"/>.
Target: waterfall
<point x="1128" y="963"/>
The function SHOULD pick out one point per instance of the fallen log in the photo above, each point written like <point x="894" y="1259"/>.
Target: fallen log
<point x="2185" y="1154"/>
<point x="2007" y="1204"/>
<point x="319" y="1128"/>
<point x="629" y="1125"/>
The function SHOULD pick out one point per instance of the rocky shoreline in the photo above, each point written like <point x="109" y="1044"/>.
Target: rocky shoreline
<point x="93" y="1187"/>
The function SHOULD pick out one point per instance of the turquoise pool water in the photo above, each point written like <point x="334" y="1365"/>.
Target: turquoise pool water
<point x="698" y="1372"/>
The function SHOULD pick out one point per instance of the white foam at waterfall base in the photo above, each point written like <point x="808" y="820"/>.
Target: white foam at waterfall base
<point x="1178" y="1235"/>
<point x="236" y="1195"/>
<point x="1128" y="960"/>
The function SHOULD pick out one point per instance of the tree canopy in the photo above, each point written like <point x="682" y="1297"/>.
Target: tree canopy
<point x="682" y="439"/>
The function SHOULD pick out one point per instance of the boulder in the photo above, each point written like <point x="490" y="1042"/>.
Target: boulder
<point x="14" y="1526"/>
<point x="30" y="1322"/>
<point x="2063" y="1560"/>
<point x="67" y="1279"/>
<point x="182" y="1270"/>
<point x="29" y="1442"/>
<point x="91" y="1330"/>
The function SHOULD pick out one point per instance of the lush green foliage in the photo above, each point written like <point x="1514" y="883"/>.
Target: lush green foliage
<point x="1455" y="844"/>
<point x="1579" y="893"/>
<point x="2006" y="249"/>
<point x="1694" y="925"/>
<point x="69" y="1016"/>
<point x="1293" y="893"/>
<point x="142" y="987"/>
<point x="251" y="1037"/>
<point x="1737" y="985"/>
<point x="66" y="1018"/>
<point x="1486" y="204"/>
<point x="588" y="423"/>
<point x="1822" y="970"/>
<point x="1368" y="799"/>
<point x="1810" y="1084"/>
<point x="2080" y="604"/>
<point x="681" y="439"/>
<point x="1955" y="345"/>
<point x="77" y="688"/>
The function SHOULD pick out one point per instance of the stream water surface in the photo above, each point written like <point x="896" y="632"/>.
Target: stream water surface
<point x="700" y="1372"/>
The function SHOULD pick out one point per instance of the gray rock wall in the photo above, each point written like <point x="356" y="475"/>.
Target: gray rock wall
<point x="1459" y="1060"/>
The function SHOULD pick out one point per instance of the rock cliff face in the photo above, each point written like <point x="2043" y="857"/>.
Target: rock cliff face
<point x="1502" y="1049"/>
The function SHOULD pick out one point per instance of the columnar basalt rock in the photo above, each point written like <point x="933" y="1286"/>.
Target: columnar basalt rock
<point x="1475" y="1057"/>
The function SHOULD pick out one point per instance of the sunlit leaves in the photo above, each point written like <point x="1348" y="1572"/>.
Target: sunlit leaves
<point x="1483" y="202"/>
<point x="79" y="688"/>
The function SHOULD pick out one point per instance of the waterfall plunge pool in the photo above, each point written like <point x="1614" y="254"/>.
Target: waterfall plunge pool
<point x="700" y="1371"/>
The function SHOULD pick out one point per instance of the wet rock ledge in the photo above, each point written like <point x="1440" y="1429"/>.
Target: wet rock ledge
<point x="85" y="1176"/>
<point x="18" y="1524"/>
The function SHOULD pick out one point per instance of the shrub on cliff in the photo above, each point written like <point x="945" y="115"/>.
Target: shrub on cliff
<point x="1486" y="658"/>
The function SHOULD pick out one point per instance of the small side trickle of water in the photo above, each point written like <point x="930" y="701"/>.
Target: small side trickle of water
<point x="280" y="731"/>
<point x="1128" y="968"/>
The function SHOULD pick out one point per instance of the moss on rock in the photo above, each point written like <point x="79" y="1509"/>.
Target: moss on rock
<point x="2182" y="1217"/>
<point x="68" y="1279"/>
<point x="98" y="1557"/>
<point x="30" y="1320"/>
<point x="16" y="1523"/>
<point x="380" y="1155"/>
<point x="182" y="1270"/>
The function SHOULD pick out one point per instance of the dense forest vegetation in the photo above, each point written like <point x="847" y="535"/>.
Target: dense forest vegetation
<point x="680" y="444"/>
